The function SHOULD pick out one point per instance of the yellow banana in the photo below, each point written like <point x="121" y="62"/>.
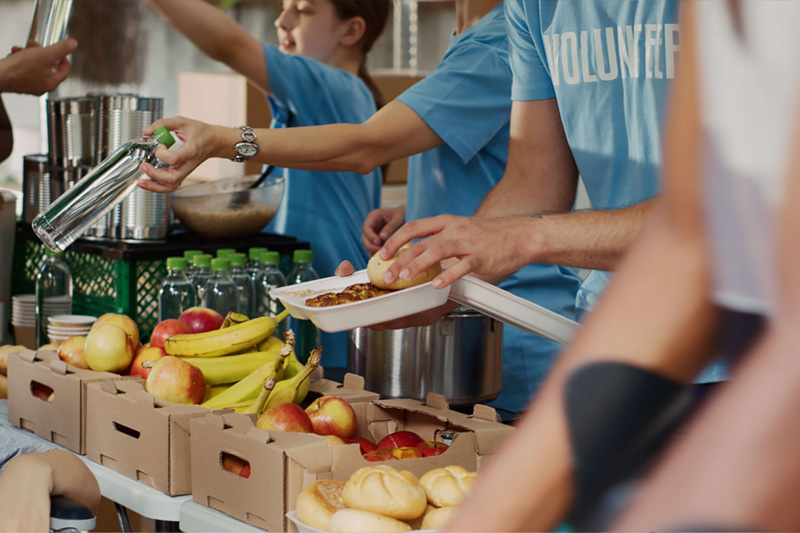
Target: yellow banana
<point x="258" y="404"/>
<point x="287" y="391"/>
<point x="261" y="401"/>
<point x="247" y="388"/>
<point x="230" y="368"/>
<point x="226" y="341"/>
<point x="214" y="390"/>
<point x="233" y="318"/>
<point x="269" y="344"/>
<point x="292" y="366"/>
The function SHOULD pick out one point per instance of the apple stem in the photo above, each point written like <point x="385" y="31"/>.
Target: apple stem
<point x="148" y="364"/>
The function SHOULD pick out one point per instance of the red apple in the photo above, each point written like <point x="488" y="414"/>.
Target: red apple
<point x="407" y="452"/>
<point x="43" y="392"/>
<point x="233" y="464"/>
<point x="399" y="439"/>
<point x="108" y="348"/>
<point x="285" y="417"/>
<point x="71" y="351"/>
<point x="331" y="415"/>
<point x="123" y="321"/>
<point x="200" y="319"/>
<point x="175" y="380"/>
<point x="148" y="353"/>
<point x="166" y="329"/>
<point x="334" y="440"/>
<point x="380" y="454"/>
<point x="430" y="448"/>
<point x="365" y="444"/>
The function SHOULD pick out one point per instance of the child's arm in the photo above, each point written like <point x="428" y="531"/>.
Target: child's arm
<point x="218" y="36"/>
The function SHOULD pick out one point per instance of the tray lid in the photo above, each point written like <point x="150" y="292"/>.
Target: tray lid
<point x="512" y="310"/>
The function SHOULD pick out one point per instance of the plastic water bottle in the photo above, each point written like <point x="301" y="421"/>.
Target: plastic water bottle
<point x="176" y="294"/>
<point x="201" y="274"/>
<point x="189" y="256"/>
<point x="53" y="290"/>
<point x="254" y="262"/>
<point x="247" y="291"/>
<point x="270" y="278"/>
<point x="220" y="293"/>
<point x="102" y="189"/>
<point x="306" y="333"/>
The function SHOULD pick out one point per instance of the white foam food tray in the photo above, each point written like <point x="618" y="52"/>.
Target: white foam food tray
<point x="512" y="310"/>
<point x="368" y="312"/>
<point x="305" y="528"/>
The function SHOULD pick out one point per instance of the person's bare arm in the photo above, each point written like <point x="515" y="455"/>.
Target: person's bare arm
<point x="36" y="70"/>
<point x="395" y="131"/>
<point x="655" y="315"/>
<point x="218" y="36"/>
<point x="529" y="208"/>
<point x="28" y="481"/>
<point x="6" y="135"/>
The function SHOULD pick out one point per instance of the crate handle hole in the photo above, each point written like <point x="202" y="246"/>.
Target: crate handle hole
<point x="42" y="391"/>
<point x="234" y="464"/>
<point x="126" y="430"/>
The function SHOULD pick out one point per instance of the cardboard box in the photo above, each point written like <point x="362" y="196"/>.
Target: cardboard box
<point x="351" y="389"/>
<point x="282" y="464"/>
<point x="62" y="421"/>
<point x="140" y="436"/>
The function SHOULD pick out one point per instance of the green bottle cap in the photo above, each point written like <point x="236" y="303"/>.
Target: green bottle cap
<point x="220" y="264"/>
<point x="271" y="258"/>
<point x="53" y="253"/>
<point x="303" y="256"/>
<point x="238" y="259"/>
<point x="225" y="252"/>
<point x="164" y="137"/>
<point x="255" y="252"/>
<point x="176" y="263"/>
<point x="189" y="254"/>
<point x="202" y="260"/>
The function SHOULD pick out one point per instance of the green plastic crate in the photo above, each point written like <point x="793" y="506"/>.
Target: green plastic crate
<point x="123" y="278"/>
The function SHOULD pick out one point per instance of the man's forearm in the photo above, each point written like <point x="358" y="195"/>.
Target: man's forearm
<point x="6" y="134"/>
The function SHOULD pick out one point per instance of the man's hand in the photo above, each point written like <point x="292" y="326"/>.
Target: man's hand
<point x="36" y="70"/>
<point x="380" y="225"/>
<point x="199" y="140"/>
<point x="486" y="246"/>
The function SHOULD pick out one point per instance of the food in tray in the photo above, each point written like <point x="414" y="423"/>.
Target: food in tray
<point x="353" y="293"/>
<point x="377" y="266"/>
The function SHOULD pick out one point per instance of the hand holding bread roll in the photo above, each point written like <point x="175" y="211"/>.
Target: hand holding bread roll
<point x="358" y="521"/>
<point x="318" y="502"/>
<point x="377" y="266"/>
<point x="448" y="486"/>
<point x="385" y="490"/>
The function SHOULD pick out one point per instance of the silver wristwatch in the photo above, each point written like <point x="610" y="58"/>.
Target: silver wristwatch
<point x="247" y="148"/>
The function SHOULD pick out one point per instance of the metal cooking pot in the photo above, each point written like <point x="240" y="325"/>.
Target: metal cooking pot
<point x="458" y="356"/>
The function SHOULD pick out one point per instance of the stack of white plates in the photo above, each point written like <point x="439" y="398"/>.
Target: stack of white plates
<point x="62" y="327"/>
<point x="23" y="309"/>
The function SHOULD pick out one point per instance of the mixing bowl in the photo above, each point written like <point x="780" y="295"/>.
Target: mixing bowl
<point x="226" y="207"/>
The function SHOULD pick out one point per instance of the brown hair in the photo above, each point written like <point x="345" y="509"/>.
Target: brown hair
<point x="375" y="14"/>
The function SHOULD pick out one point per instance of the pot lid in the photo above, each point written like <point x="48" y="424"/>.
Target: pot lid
<point x="512" y="310"/>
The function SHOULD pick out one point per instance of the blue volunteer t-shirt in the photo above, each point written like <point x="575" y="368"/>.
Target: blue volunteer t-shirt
<point x="609" y="63"/>
<point x="326" y="209"/>
<point x="467" y="102"/>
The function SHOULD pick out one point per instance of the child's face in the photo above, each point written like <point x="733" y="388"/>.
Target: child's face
<point x="309" y="28"/>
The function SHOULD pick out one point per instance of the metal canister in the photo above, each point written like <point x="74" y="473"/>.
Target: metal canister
<point x="71" y="132"/>
<point x="50" y="21"/>
<point x="35" y="185"/>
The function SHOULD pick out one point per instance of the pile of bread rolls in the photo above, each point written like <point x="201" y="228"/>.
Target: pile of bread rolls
<point x="382" y="499"/>
<point x="4" y="351"/>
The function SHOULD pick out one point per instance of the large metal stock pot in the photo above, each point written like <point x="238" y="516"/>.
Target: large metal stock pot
<point x="458" y="356"/>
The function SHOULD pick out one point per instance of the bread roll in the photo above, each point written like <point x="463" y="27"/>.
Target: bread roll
<point x="448" y="485"/>
<point x="437" y="517"/>
<point x="4" y="351"/>
<point x="385" y="490"/>
<point x="357" y="521"/>
<point x="317" y="503"/>
<point x="377" y="266"/>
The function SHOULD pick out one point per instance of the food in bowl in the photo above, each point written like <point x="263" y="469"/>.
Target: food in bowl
<point x="227" y="207"/>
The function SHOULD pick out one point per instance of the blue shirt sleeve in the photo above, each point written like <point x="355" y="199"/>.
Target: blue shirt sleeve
<point x="528" y="62"/>
<point x="315" y="93"/>
<point x="466" y="101"/>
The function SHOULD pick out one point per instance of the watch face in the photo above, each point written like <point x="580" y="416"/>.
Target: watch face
<point x="247" y="149"/>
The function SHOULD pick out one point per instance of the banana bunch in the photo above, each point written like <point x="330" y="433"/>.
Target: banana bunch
<point x="233" y="339"/>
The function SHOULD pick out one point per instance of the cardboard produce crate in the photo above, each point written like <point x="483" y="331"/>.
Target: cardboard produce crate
<point x="282" y="464"/>
<point x="62" y="418"/>
<point x="351" y="389"/>
<point x="140" y="436"/>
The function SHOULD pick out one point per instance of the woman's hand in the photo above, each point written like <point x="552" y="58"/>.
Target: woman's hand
<point x="200" y="141"/>
<point x="380" y="225"/>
